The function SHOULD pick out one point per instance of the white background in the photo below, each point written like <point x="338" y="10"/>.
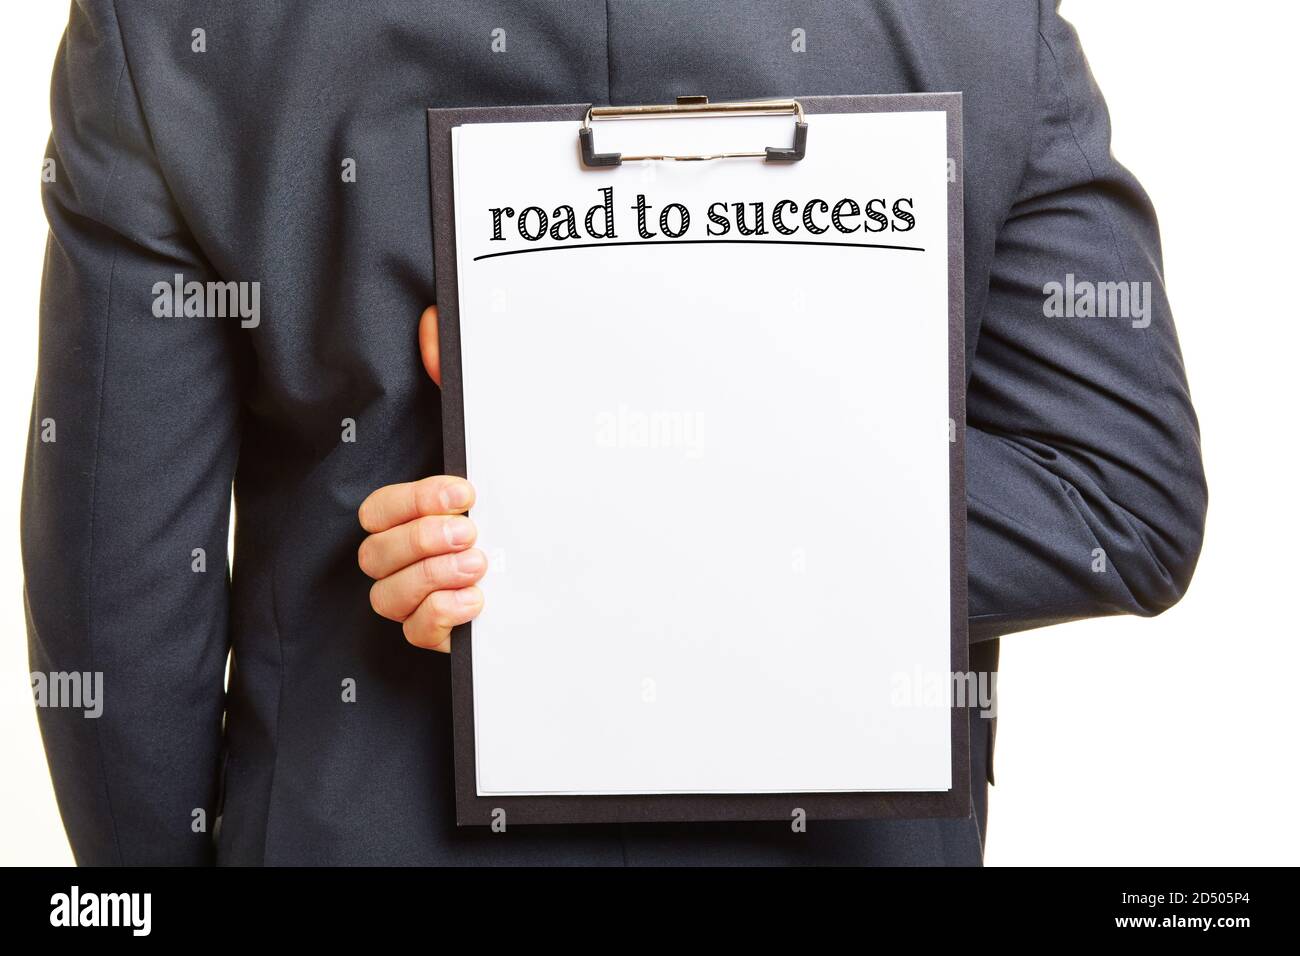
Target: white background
<point x="1176" y="743"/>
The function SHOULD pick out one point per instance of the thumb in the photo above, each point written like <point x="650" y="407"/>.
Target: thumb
<point x="429" y="344"/>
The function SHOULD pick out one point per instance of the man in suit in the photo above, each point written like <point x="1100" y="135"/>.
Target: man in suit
<point x="282" y="147"/>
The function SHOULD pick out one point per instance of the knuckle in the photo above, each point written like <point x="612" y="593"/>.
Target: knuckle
<point x="441" y="611"/>
<point x="378" y="601"/>
<point x="428" y="496"/>
<point x="365" y="557"/>
<point x="419" y="635"/>
<point x="427" y="535"/>
<point x="430" y="572"/>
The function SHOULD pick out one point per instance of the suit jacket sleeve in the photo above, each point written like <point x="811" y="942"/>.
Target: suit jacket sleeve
<point x="129" y="469"/>
<point x="1085" y="489"/>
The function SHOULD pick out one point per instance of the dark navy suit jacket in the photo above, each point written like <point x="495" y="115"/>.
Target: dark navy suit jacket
<point x="219" y="155"/>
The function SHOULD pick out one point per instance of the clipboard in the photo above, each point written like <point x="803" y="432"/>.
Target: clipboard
<point x="593" y="153"/>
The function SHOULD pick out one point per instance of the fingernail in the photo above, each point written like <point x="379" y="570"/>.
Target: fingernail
<point x="467" y="597"/>
<point x="455" y="496"/>
<point x="458" y="531"/>
<point x="471" y="562"/>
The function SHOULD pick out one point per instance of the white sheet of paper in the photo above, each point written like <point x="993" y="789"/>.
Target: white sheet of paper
<point x="712" y="478"/>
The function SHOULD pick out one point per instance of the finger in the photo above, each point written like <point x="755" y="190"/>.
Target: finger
<point x="389" y="551"/>
<point x="429" y="344"/>
<point x="397" y="504"/>
<point x="430" y="626"/>
<point x="397" y="596"/>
